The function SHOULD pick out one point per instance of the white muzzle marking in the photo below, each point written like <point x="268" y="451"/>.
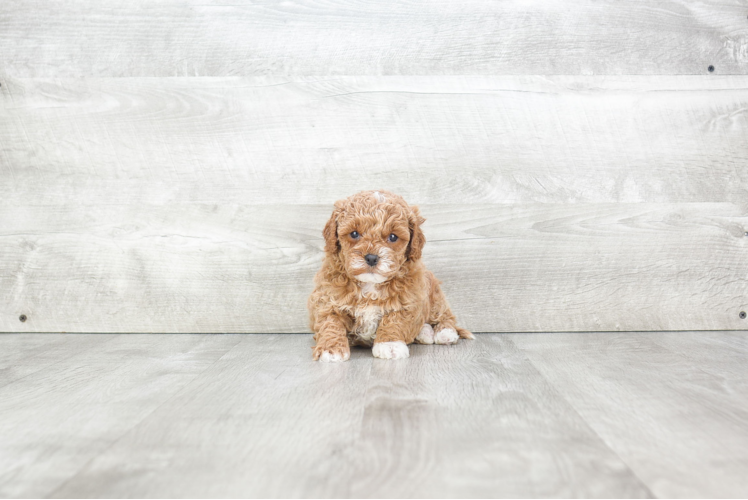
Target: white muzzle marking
<point x="371" y="278"/>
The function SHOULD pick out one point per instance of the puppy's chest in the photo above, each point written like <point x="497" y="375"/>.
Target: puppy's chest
<point x="367" y="322"/>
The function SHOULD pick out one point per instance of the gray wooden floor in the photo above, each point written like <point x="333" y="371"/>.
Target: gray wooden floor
<point x="571" y="415"/>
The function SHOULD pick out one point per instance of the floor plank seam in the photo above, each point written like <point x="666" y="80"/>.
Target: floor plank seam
<point x="586" y="422"/>
<point x="360" y="424"/>
<point x="648" y="415"/>
<point x="177" y="393"/>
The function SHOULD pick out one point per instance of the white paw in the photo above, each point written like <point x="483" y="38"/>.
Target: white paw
<point x="390" y="350"/>
<point x="334" y="357"/>
<point x="426" y="335"/>
<point x="446" y="336"/>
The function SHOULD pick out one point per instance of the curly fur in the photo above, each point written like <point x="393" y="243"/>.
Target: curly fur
<point x="354" y="303"/>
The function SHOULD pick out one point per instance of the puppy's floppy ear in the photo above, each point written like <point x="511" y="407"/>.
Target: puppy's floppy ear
<point x="330" y="232"/>
<point x="417" y="239"/>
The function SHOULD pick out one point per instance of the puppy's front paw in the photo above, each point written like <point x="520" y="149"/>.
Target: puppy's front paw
<point x="390" y="350"/>
<point x="334" y="357"/>
<point x="426" y="335"/>
<point x="446" y="336"/>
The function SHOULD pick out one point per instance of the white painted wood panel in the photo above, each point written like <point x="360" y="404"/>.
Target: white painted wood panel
<point x="196" y="204"/>
<point x="249" y="268"/>
<point x="383" y="37"/>
<point x="456" y="140"/>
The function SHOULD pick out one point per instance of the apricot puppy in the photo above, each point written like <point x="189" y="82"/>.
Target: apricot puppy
<point x="373" y="289"/>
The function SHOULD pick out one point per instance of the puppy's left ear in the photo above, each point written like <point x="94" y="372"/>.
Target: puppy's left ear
<point x="417" y="239"/>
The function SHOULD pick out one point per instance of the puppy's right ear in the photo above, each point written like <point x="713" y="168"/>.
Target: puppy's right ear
<point x="330" y="232"/>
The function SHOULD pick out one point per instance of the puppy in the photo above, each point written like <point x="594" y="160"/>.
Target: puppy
<point x="373" y="289"/>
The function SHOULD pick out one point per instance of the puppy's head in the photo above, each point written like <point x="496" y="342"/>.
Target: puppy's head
<point x="374" y="233"/>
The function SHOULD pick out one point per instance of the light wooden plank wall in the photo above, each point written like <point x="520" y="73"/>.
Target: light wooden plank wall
<point x="81" y="38"/>
<point x="169" y="168"/>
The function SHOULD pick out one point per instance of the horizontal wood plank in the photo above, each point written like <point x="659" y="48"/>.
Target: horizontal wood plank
<point x="452" y="140"/>
<point x="249" y="268"/>
<point x="194" y="205"/>
<point x="392" y="37"/>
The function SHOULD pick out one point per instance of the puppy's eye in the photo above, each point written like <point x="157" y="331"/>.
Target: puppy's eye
<point x="392" y="238"/>
<point x="355" y="235"/>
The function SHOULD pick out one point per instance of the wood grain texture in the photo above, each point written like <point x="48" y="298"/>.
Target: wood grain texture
<point x="393" y="37"/>
<point x="507" y="415"/>
<point x="430" y="139"/>
<point x="266" y="421"/>
<point x="673" y="406"/>
<point x="477" y="420"/>
<point x="249" y="268"/>
<point x="24" y="355"/>
<point x="56" y="419"/>
<point x="195" y="204"/>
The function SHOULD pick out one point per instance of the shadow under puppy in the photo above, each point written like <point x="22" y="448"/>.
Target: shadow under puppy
<point x="373" y="289"/>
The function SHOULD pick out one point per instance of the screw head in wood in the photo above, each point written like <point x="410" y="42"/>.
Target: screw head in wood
<point x="742" y="314"/>
<point x="23" y="318"/>
<point x="711" y="69"/>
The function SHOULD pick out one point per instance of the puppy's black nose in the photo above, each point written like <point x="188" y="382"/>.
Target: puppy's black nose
<point x="371" y="259"/>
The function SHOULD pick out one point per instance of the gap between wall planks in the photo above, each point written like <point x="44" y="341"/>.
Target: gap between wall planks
<point x="581" y="204"/>
<point x="384" y="37"/>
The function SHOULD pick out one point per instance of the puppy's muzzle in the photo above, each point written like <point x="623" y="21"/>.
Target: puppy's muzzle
<point x="371" y="259"/>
